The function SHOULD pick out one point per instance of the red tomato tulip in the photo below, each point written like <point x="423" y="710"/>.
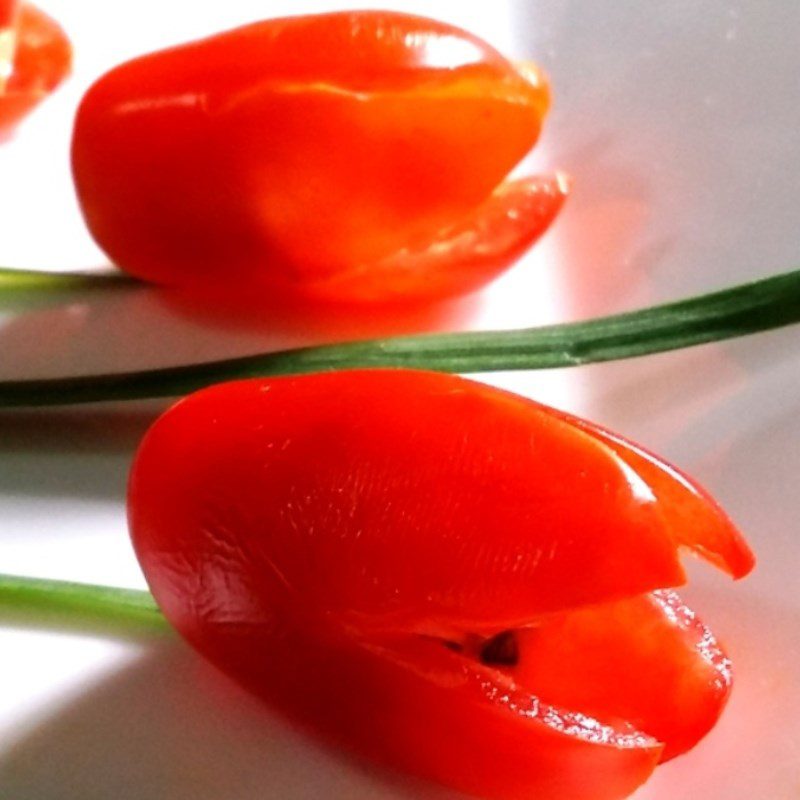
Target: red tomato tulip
<point x="35" y="57"/>
<point x="438" y="575"/>
<point x="348" y="156"/>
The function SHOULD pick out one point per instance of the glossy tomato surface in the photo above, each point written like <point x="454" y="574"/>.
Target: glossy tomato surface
<point x="437" y="575"/>
<point x="331" y="156"/>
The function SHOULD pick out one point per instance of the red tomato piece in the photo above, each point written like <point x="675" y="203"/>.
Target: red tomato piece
<point x="8" y="13"/>
<point x="35" y="57"/>
<point x="348" y="545"/>
<point x="327" y="156"/>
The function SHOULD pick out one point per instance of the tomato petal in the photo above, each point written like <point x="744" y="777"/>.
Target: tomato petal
<point x="647" y="659"/>
<point x="697" y="520"/>
<point x="461" y="257"/>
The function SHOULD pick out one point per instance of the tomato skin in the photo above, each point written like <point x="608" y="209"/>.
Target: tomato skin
<point x="319" y="537"/>
<point x="289" y="152"/>
<point x="42" y="60"/>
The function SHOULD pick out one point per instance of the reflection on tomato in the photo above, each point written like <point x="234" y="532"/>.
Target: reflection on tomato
<point x="438" y="575"/>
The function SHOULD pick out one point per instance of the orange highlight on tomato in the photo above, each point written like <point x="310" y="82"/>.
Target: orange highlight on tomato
<point x="439" y="576"/>
<point x="348" y="156"/>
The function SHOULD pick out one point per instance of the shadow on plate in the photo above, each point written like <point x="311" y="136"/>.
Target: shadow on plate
<point x="169" y="726"/>
<point x="111" y="428"/>
<point x="78" y="452"/>
<point x="128" y="326"/>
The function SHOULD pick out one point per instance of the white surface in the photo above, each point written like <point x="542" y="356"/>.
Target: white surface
<point x="678" y="122"/>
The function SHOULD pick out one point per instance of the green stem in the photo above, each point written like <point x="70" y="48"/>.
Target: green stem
<point x="758" y="306"/>
<point x="97" y="609"/>
<point x="31" y="279"/>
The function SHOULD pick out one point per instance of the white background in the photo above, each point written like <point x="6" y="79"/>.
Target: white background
<point x="679" y="124"/>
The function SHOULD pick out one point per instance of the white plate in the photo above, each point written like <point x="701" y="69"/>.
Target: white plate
<point x="679" y="123"/>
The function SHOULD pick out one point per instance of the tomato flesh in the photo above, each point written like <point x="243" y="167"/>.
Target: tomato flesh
<point x="340" y="542"/>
